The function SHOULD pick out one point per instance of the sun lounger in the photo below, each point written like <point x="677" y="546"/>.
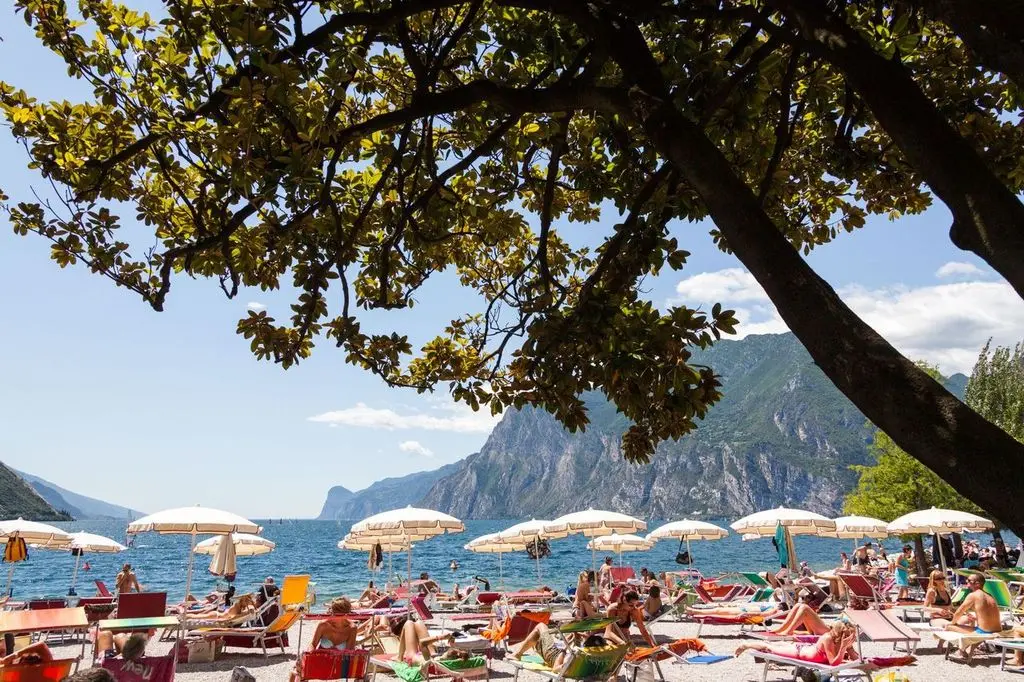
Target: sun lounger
<point x="1007" y="647"/>
<point x="463" y="641"/>
<point x="52" y="603"/>
<point x="860" y="587"/>
<point x="966" y="642"/>
<point x="295" y="592"/>
<point x="50" y="671"/>
<point x="883" y="626"/>
<point x="581" y="663"/>
<point x="102" y="591"/>
<point x="621" y="574"/>
<point x="861" y="668"/>
<point x="145" y="669"/>
<point x="675" y="609"/>
<point x="457" y="669"/>
<point x="274" y="634"/>
<point x="332" y="664"/>
<point x="746" y="622"/>
<point x="676" y="650"/>
<point x="67" y="620"/>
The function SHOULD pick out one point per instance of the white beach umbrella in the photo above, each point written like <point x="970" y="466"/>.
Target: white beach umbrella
<point x="93" y="544"/>
<point x="246" y="544"/>
<point x="938" y="521"/>
<point x="593" y="523"/>
<point x="795" y="521"/>
<point x="368" y="543"/>
<point x="857" y="527"/>
<point x="193" y="521"/>
<point x="32" y="532"/>
<point x="493" y="544"/>
<point x="526" y="532"/>
<point x="687" y="529"/>
<point x="409" y="524"/>
<point x="619" y="544"/>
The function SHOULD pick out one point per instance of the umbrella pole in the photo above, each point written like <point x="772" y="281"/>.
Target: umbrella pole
<point x="74" y="575"/>
<point x="191" y="559"/>
<point x="501" y="574"/>
<point x="10" y="578"/>
<point x="688" y="554"/>
<point x="593" y="560"/>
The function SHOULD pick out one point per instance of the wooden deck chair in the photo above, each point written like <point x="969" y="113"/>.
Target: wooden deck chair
<point x="274" y="634"/>
<point x="592" y="664"/>
<point x="294" y="592"/>
<point x="641" y="656"/>
<point x="50" y="671"/>
<point x="145" y="669"/>
<point x="334" y="664"/>
<point x="883" y="626"/>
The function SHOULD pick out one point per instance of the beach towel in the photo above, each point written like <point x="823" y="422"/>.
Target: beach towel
<point x="706" y="659"/>
<point x="414" y="673"/>
<point x="679" y="647"/>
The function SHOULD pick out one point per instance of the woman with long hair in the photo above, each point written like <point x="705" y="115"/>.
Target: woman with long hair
<point x="832" y="648"/>
<point x="937" y="599"/>
<point x="582" y="606"/>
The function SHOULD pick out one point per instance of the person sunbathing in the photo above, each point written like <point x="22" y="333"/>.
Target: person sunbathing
<point x="626" y="612"/>
<point x="131" y="647"/>
<point x="937" y="598"/>
<point x="801" y="617"/>
<point x="766" y="610"/>
<point x="336" y="632"/>
<point x="979" y="612"/>
<point x="428" y="583"/>
<point x="415" y="645"/>
<point x="33" y="653"/>
<point x="653" y="607"/>
<point x="544" y="643"/>
<point x="244" y="606"/>
<point x="369" y="596"/>
<point x="832" y="648"/>
<point x="582" y="606"/>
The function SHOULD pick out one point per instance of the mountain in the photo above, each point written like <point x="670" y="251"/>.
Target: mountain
<point x="781" y="435"/>
<point x="18" y="499"/>
<point x="389" y="493"/>
<point x="79" y="506"/>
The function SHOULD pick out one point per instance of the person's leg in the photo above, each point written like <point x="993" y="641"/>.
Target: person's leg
<point x="104" y="642"/>
<point x="530" y="641"/>
<point x="614" y="634"/>
<point x="751" y="647"/>
<point x="803" y="616"/>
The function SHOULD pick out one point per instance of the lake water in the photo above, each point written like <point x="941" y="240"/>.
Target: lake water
<point x="160" y="561"/>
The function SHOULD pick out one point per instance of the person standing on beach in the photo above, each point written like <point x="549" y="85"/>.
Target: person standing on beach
<point x="126" y="580"/>
<point x="604" y="574"/>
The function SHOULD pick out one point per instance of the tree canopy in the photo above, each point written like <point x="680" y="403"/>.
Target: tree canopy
<point x="355" y="148"/>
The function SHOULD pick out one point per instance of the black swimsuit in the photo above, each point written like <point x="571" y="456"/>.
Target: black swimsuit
<point x="942" y="602"/>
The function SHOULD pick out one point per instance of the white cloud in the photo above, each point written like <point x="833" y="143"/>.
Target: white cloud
<point x="255" y="306"/>
<point x="959" y="269"/>
<point x="457" y="418"/>
<point x="946" y="324"/>
<point x="415" y="447"/>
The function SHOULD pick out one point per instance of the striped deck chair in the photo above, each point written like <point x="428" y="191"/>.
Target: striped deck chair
<point x="641" y="656"/>
<point x="274" y="634"/>
<point x="335" y="664"/>
<point x="457" y="669"/>
<point x="592" y="664"/>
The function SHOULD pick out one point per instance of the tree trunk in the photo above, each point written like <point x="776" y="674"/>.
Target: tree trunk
<point x="991" y="29"/>
<point x="924" y="567"/>
<point x="988" y="220"/>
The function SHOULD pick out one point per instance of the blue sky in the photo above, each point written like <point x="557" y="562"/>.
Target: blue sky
<point x="108" y="398"/>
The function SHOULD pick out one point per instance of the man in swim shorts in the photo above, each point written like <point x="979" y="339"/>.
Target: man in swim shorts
<point x="979" y="612"/>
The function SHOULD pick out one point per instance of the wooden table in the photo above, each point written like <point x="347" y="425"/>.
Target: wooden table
<point x="46" y="620"/>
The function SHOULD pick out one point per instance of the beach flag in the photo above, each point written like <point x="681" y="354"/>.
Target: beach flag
<point x="16" y="550"/>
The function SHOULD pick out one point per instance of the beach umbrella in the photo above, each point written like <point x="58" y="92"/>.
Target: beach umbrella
<point x="245" y="544"/>
<point x="687" y="530"/>
<point x="619" y="544"/>
<point x="857" y="527"/>
<point x="410" y="524"/>
<point x="16" y="533"/>
<point x="593" y="523"/>
<point x="82" y="543"/>
<point x="527" y="532"/>
<point x="792" y="521"/>
<point x="938" y="522"/>
<point x="493" y="544"/>
<point x="193" y="521"/>
<point x="367" y="544"/>
<point x="224" y="561"/>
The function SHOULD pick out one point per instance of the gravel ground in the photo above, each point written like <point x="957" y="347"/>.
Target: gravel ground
<point x="719" y="639"/>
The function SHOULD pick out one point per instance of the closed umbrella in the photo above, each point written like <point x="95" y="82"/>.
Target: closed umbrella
<point x="593" y="523"/>
<point x="686" y="530"/>
<point x="792" y="521"/>
<point x="938" y="522"/>
<point x="193" y="521"/>
<point x="82" y="543"/>
<point x="367" y="544"/>
<point x="527" y="532"/>
<point x="18" y="531"/>
<point x="410" y="524"/>
<point x="619" y="544"/>
<point x="223" y="562"/>
<point x="246" y="544"/>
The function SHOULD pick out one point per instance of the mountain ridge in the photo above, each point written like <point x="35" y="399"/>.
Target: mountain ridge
<point x="387" y="493"/>
<point x="81" y="507"/>
<point x="18" y="499"/>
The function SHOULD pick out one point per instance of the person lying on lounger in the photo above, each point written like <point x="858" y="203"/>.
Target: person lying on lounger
<point x="246" y="604"/>
<point x="801" y="617"/>
<point x="131" y="647"/>
<point x="336" y="632"/>
<point x="832" y="648"/>
<point x="415" y="645"/>
<point x="626" y="612"/>
<point x="979" y="612"/>
<point x="369" y="596"/>
<point x="546" y="645"/>
<point x="765" y="609"/>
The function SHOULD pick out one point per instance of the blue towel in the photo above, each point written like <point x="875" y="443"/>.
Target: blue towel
<point x="707" y="658"/>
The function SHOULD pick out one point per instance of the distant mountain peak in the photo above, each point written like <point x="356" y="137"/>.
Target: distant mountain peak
<point x="78" y="505"/>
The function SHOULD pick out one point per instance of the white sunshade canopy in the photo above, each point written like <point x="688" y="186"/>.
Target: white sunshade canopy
<point x="34" y="532"/>
<point x="939" y="521"/>
<point x="95" y="544"/>
<point x="797" y="521"/>
<point x="593" y="523"/>
<point x="620" y="543"/>
<point x="492" y="543"/>
<point x="194" y="521"/>
<point x="856" y="527"/>
<point x="365" y="544"/>
<point x="688" y="529"/>
<point x="525" y="531"/>
<point x="410" y="522"/>
<point x="245" y="544"/>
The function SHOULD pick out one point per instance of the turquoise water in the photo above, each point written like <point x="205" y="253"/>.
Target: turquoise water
<point x="311" y="547"/>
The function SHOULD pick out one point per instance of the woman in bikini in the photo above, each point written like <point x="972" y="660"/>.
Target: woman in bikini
<point x="937" y="599"/>
<point x="582" y="606"/>
<point x="336" y="632"/>
<point x="653" y="607"/>
<point x="627" y="611"/>
<point x="415" y="645"/>
<point x="832" y="648"/>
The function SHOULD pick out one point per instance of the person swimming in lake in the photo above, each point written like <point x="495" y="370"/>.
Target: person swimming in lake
<point x="833" y="647"/>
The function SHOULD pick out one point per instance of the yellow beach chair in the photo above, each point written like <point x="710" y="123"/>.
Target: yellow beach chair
<point x="295" y="592"/>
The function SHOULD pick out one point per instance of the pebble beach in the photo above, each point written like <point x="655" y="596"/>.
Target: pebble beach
<point x="930" y="664"/>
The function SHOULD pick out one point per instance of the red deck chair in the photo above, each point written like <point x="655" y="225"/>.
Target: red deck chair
<point x="145" y="669"/>
<point x="41" y="604"/>
<point x="332" y="664"/>
<point x="141" y="604"/>
<point x="861" y="588"/>
<point x="51" y="671"/>
<point x="621" y="574"/>
<point x="102" y="591"/>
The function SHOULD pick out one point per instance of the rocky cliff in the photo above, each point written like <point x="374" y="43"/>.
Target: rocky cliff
<point x="18" y="499"/>
<point x="389" y="493"/>
<point x="782" y="435"/>
<point x="80" y="506"/>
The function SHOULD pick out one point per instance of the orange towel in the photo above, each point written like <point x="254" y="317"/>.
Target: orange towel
<point x="678" y="647"/>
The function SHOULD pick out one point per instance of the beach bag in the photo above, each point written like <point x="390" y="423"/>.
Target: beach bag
<point x="682" y="556"/>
